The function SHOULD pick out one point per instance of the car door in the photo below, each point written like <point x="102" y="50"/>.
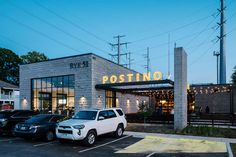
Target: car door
<point x="103" y="125"/>
<point x="112" y="121"/>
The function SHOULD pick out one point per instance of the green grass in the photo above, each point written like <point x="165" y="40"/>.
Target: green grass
<point x="233" y="147"/>
<point x="207" y="131"/>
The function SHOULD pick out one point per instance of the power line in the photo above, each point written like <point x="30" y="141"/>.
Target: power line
<point x="202" y="31"/>
<point x="56" y="27"/>
<point x="202" y="55"/>
<point x="20" y="44"/>
<point x="70" y="22"/>
<point x="41" y="33"/>
<point x="172" y="30"/>
<point x="189" y="15"/>
<point x="166" y="43"/>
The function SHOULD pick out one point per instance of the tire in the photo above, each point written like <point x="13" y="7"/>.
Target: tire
<point x="90" y="139"/>
<point x="49" y="136"/>
<point x="119" y="131"/>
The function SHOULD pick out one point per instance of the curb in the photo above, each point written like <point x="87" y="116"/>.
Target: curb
<point x="229" y="150"/>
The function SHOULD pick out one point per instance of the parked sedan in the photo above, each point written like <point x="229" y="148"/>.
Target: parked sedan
<point x="40" y="126"/>
<point x="9" y="118"/>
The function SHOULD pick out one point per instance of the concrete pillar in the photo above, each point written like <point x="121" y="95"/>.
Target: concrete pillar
<point x="180" y="88"/>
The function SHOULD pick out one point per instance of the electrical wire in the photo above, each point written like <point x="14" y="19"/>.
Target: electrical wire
<point x="20" y="44"/>
<point x="172" y="30"/>
<point x="38" y="32"/>
<point x="55" y="26"/>
<point x="70" y="22"/>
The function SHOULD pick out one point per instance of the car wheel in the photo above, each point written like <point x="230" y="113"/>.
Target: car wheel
<point x="119" y="131"/>
<point x="90" y="139"/>
<point x="49" y="136"/>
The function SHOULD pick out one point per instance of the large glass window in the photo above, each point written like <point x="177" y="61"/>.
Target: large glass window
<point x="110" y="99"/>
<point x="53" y="94"/>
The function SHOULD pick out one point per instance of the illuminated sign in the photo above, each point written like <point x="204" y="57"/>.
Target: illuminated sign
<point x="132" y="77"/>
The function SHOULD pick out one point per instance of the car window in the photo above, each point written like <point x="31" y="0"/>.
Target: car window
<point x="111" y="114"/>
<point x="103" y="114"/>
<point x="24" y="114"/>
<point x="56" y="119"/>
<point x="120" y="112"/>
<point x="39" y="119"/>
<point x="86" y="115"/>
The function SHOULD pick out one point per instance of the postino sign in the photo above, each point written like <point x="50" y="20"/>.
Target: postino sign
<point x="132" y="77"/>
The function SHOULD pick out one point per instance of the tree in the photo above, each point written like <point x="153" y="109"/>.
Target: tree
<point x="33" y="56"/>
<point x="233" y="76"/>
<point x="9" y="66"/>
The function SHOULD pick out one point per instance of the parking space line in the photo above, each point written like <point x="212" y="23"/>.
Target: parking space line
<point x="10" y="139"/>
<point x="85" y="150"/>
<point x="43" y="144"/>
<point x="149" y="155"/>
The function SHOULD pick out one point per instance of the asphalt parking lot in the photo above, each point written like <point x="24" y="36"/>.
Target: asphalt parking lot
<point x="106" y="146"/>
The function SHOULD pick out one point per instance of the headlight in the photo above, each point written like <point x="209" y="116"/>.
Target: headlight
<point x="34" y="127"/>
<point x="78" y="126"/>
<point x="17" y="126"/>
<point x="4" y="122"/>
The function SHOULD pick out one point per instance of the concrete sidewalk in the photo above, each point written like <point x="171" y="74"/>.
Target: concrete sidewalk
<point x="144" y="134"/>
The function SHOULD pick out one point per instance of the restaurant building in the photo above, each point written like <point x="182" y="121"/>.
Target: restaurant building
<point x="68" y="84"/>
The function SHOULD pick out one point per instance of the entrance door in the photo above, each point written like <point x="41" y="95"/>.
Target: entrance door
<point x="62" y="107"/>
<point x="45" y="100"/>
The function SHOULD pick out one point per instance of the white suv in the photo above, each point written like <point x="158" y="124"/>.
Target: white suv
<point x="86" y="125"/>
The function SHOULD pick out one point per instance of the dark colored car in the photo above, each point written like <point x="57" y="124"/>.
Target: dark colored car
<point x="40" y="126"/>
<point x="9" y="118"/>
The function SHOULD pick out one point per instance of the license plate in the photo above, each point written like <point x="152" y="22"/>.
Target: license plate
<point x="23" y="128"/>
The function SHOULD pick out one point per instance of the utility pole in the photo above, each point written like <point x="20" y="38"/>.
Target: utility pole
<point x="217" y="54"/>
<point x="168" y="74"/>
<point x="147" y="66"/>
<point x="130" y="59"/>
<point x="222" y="44"/>
<point x="118" y="45"/>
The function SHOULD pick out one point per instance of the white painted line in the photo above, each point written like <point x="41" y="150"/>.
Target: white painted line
<point x="229" y="150"/>
<point x="43" y="144"/>
<point x="11" y="139"/>
<point x="149" y="155"/>
<point x="85" y="150"/>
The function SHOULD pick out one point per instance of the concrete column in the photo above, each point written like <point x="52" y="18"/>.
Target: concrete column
<point x="180" y="88"/>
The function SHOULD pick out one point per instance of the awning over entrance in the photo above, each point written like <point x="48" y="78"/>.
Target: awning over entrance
<point x="136" y="87"/>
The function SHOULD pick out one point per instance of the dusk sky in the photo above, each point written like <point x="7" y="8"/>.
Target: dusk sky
<point x="61" y="28"/>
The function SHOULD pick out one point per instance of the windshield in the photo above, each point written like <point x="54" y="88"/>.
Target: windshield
<point x="5" y="114"/>
<point x="86" y="115"/>
<point x="39" y="119"/>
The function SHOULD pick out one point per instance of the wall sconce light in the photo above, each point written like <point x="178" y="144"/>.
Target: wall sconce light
<point x="83" y="100"/>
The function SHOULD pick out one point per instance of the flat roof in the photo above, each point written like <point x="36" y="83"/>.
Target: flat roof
<point x="79" y="55"/>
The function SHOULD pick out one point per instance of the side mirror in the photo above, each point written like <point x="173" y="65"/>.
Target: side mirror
<point x="101" y="118"/>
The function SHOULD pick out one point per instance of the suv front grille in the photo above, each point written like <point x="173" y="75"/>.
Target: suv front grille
<point x="65" y="131"/>
<point x="65" y="127"/>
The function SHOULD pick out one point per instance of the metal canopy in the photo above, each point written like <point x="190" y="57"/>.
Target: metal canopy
<point x="137" y="86"/>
